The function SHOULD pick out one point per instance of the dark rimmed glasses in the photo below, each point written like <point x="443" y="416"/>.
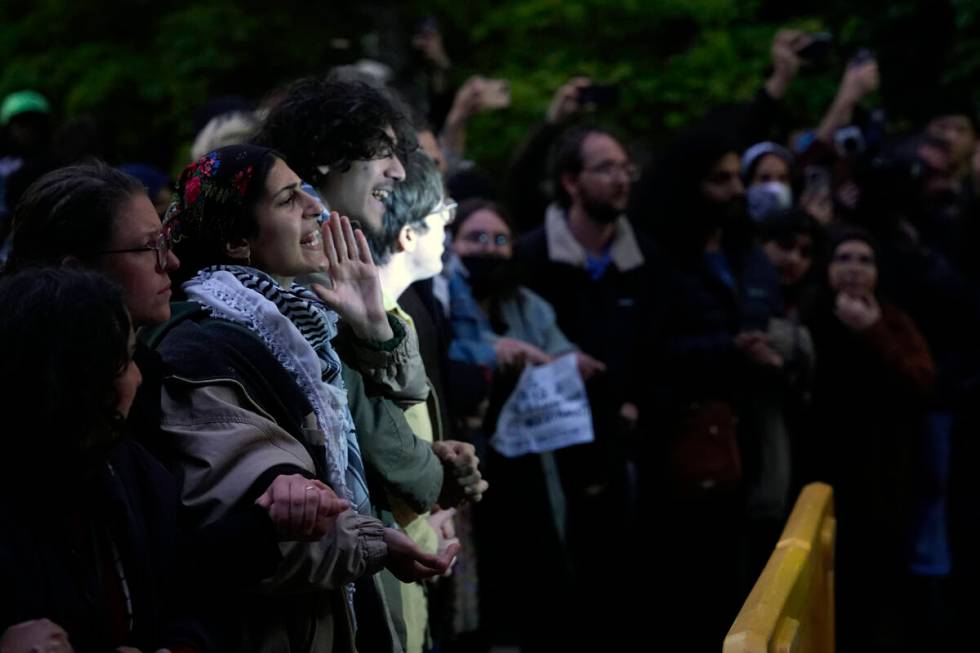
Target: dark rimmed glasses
<point x="162" y="246"/>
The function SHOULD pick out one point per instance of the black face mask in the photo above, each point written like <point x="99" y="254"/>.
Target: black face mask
<point x="492" y="276"/>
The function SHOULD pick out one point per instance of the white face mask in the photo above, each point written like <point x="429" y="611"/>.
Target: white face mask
<point x="765" y="199"/>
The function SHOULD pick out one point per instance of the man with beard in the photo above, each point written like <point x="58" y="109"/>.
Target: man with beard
<point x="716" y="293"/>
<point x="588" y="263"/>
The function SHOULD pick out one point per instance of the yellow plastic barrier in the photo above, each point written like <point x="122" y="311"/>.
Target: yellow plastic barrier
<point x="791" y="607"/>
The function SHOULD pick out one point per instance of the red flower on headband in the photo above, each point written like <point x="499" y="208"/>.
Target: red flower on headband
<point x="242" y="179"/>
<point x="191" y="190"/>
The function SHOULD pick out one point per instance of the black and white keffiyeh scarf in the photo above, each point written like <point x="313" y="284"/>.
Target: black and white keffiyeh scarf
<point x="297" y="328"/>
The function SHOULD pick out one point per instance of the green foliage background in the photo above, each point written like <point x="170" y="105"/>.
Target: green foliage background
<point x="142" y="68"/>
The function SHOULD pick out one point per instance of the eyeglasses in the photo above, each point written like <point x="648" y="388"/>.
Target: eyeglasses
<point x="449" y="208"/>
<point x="162" y="246"/>
<point x="609" y="168"/>
<point x="485" y="238"/>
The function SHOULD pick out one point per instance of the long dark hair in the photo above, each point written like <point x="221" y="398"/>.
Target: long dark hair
<point x="70" y="211"/>
<point x="64" y="338"/>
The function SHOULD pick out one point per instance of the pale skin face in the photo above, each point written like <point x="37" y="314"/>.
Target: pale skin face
<point x="771" y="167"/>
<point x="483" y="234"/>
<point x="359" y="192"/>
<point x="146" y="286"/>
<point x="425" y="249"/>
<point x="853" y="270"/>
<point x="606" y="174"/>
<point x="724" y="183"/>
<point x="289" y="242"/>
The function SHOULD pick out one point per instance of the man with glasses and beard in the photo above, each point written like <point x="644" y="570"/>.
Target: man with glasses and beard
<point x="590" y="265"/>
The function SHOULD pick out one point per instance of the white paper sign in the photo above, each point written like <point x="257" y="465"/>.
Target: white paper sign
<point x="548" y="410"/>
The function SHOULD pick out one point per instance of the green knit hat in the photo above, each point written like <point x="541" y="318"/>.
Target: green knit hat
<point x="22" y="102"/>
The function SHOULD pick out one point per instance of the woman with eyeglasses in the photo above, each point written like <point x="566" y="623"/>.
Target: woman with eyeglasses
<point x="503" y="325"/>
<point x="508" y="325"/>
<point x="874" y="379"/>
<point x="101" y="218"/>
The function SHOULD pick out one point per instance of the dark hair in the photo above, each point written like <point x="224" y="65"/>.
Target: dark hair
<point x="409" y="203"/>
<point x="672" y="200"/>
<point x="566" y="158"/>
<point x="788" y="224"/>
<point x="471" y="206"/>
<point x="851" y="233"/>
<point x="64" y="336"/>
<point x="219" y="214"/>
<point x="69" y="212"/>
<point x="327" y="122"/>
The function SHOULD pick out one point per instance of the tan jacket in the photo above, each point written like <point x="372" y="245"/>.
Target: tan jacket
<point x="224" y="446"/>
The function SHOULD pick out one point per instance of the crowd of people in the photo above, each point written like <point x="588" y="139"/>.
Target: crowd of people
<point x="266" y="392"/>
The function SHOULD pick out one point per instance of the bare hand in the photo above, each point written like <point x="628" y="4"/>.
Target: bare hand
<point x="463" y="480"/>
<point x="38" y="635"/>
<point x="859" y="81"/>
<point x="755" y="345"/>
<point x="630" y="414"/>
<point x="409" y="563"/>
<point x="356" y="287"/>
<point x="441" y="521"/>
<point x="517" y="353"/>
<point x="565" y="102"/>
<point x="785" y="60"/>
<point x="819" y="205"/>
<point x="588" y="366"/>
<point x="301" y="508"/>
<point x="785" y="46"/>
<point x="429" y="43"/>
<point x="478" y="94"/>
<point x="858" y="313"/>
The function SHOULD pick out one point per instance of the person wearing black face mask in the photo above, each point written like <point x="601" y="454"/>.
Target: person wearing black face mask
<point x="517" y="323"/>
<point x="512" y="326"/>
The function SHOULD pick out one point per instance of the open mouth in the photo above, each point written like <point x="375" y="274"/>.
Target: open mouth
<point x="312" y="240"/>
<point x="381" y="194"/>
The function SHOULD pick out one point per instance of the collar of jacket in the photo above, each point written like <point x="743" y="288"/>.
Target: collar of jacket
<point x="564" y="248"/>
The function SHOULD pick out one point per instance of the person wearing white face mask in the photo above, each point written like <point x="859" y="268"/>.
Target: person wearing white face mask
<point x="767" y="169"/>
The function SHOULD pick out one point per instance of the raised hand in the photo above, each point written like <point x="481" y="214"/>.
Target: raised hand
<point x="785" y="60"/>
<point x="858" y="313"/>
<point x="356" y="287"/>
<point x="565" y="102"/>
<point x="301" y="508"/>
